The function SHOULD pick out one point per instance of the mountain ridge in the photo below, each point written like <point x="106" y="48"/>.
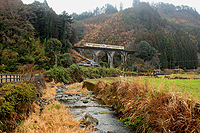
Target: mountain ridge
<point x="175" y="42"/>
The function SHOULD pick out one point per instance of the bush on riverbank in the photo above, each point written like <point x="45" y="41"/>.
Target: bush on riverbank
<point x="99" y="72"/>
<point x="76" y="73"/>
<point x="15" y="104"/>
<point x="147" y="110"/>
<point x="66" y="75"/>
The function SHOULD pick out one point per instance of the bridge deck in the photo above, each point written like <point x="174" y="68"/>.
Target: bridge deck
<point x="106" y="49"/>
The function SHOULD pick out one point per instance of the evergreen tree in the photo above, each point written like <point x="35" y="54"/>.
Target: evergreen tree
<point x="135" y="2"/>
<point x="145" y="51"/>
<point x="121" y="6"/>
<point x="110" y="9"/>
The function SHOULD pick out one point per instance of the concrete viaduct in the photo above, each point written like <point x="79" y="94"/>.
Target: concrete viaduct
<point x="110" y="53"/>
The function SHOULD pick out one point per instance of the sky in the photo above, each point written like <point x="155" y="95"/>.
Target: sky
<point x="79" y="6"/>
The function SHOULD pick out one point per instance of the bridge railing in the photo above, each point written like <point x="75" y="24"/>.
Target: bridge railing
<point x="7" y="78"/>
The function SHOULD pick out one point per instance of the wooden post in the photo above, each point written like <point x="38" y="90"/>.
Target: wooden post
<point x="10" y="77"/>
<point x="6" y="77"/>
<point x="1" y="79"/>
<point x="14" y="79"/>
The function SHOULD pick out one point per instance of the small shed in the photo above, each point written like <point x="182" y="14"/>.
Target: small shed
<point x="88" y="63"/>
<point x="156" y="71"/>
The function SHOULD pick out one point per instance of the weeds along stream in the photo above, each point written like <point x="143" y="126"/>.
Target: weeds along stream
<point x="82" y="102"/>
<point x="139" y="105"/>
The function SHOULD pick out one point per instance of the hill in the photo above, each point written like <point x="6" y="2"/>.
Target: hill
<point x="176" y="43"/>
<point x="106" y="28"/>
<point x="183" y="15"/>
<point x="33" y="34"/>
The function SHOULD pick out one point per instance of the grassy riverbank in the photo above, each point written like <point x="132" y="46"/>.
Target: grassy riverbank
<point x="152" y="105"/>
<point x="54" y="117"/>
<point x="187" y="87"/>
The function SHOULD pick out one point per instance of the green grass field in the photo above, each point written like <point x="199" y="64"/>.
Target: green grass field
<point x="186" y="87"/>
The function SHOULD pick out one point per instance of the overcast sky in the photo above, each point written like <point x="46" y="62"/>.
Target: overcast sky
<point x="79" y="6"/>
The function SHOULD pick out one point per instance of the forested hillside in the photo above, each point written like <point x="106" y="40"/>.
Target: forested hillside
<point x="176" y="44"/>
<point x="183" y="17"/>
<point x="33" y="34"/>
<point x="183" y="14"/>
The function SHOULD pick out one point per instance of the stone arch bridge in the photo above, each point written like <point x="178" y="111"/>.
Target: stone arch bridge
<point x="110" y="52"/>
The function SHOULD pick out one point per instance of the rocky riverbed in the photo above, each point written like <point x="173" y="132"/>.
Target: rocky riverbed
<point x="89" y="110"/>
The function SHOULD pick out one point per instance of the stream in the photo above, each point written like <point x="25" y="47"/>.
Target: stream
<point x="80" y="104"/>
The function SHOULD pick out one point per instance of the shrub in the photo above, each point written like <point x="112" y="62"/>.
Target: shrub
<point x="76" y="73"/>
<point x="184" y="68"/>
<point x="15" y="104"/>
<point x="102" y="71"/>
<point x="59" y="75"/>
<point x="11" y="68"/>
<point x="91" y="73"/>
<point x="130" y="73"/>
<point x="66" y="75"/>
<point x="1" y="68"/>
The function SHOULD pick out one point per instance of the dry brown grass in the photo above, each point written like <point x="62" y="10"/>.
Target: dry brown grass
<point x="75" y="88"/>
<point x="149" y="110"/>
<point x="55" y="118"/>
<point x="50" y="92"/>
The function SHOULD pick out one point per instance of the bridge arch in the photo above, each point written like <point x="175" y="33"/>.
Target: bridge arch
<point x="109" y="50"/>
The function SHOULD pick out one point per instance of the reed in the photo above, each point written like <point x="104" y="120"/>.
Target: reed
<point x="147" y="109"/>
<point x="55" y="118"/>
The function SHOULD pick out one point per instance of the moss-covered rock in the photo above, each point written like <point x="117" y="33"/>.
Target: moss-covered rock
<point x="88" y="120"/>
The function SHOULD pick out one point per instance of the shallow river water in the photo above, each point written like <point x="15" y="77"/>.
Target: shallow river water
<point x="108" y="121"/>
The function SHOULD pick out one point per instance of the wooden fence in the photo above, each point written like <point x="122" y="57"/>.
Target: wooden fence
<point x="7" y="78"/>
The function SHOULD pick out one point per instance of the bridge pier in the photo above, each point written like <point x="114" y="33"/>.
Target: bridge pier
<point x="123" y="56"/>
<point x="80" y="51"/>
<point x="109" y="50"/>
<point x="110" y="57"/>
<point x="95" y="54"/>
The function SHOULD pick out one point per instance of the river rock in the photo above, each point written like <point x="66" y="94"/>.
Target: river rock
<point x="88" y="120"/>
<point x="78" y="94"/>
<point x="78" y="98"/>
<point x="58" y="96"/>
<point x="78" y="91"/>
<point x="85" y="101"/>
<point x="88" y="97"/>
<point x="69" y="94"/>
<point x="51" y="86"/>
<point x="111" y="132"/>
<point x="69" y="98"/>
<point x="90" y="92"/>
<point x="104" y="112"/>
